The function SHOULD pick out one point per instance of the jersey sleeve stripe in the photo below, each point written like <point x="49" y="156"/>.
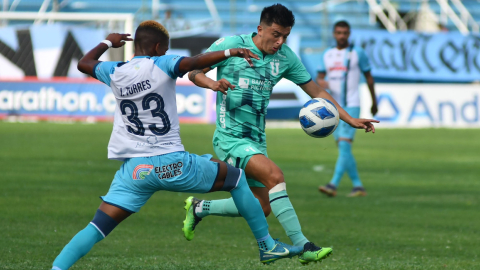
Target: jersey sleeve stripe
<point x="305" y="82"/>
<point x="176" y="69"/>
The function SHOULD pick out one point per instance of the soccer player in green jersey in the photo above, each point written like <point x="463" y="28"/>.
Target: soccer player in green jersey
<point x="240" y="139"/>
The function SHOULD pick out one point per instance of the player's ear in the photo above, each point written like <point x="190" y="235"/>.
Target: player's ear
<point x="259" y="30"/>
<point x="158" y="49"/>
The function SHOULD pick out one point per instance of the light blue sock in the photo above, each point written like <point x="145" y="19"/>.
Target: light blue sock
<point x="343" y="160"/>
<point x="224" y="208"/>
<point x="80" y="245"/>
<point x="346" y="162"/>
<point x="283" y="210"/>
<point x="249" y="207"/>
<point x="352" y="168"/>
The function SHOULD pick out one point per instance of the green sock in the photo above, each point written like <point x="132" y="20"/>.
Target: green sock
<point x="224" y="208"/>
<point x="283" y="210"/>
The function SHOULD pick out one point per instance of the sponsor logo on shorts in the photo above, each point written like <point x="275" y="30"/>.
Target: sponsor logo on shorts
<point x="249" y="148"/>
<point x="141" y="171"/>
<point x="169" y="171"/>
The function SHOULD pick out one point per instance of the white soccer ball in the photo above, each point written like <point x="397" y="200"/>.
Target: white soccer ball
<point x="319" y="117"/>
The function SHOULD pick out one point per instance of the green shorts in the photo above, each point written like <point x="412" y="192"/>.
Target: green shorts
<point x="237" y="152"/>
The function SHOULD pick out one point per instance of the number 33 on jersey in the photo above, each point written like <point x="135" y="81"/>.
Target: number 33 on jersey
<point x="146" y="120"/>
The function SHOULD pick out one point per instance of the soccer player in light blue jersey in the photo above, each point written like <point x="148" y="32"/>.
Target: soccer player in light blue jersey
<point x="342" y="65"/>
<point x="146" y="137"/>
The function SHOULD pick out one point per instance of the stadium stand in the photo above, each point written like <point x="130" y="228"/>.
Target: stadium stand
<point x="313" y="23"/>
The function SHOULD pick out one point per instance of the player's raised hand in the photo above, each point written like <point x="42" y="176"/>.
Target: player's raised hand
<point x="244" y="53"/>
<point x="366" y="124"/>
<point x="118" y="40"/>
<point x="222" y="86"/>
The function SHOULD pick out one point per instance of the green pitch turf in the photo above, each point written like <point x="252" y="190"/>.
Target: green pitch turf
<point x="421" y="212"/>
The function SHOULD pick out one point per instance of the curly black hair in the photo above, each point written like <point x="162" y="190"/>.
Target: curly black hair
<point x="278" y="14"/>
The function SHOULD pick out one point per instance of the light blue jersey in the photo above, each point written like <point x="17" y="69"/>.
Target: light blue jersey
<point x="343" y="69"/>
<point x="145" y="121"/>
<point x="146" y="133"/>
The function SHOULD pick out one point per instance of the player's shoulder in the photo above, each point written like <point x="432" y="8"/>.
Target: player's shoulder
<point x="358" y="49"/>
<point x="330" y="49"/>
<point x="287" y="53"/>
<point x="109" y="66"/>
<point x="231" y="40"/>
<point x="166" y="57"/>
<point x="112" y="63"/>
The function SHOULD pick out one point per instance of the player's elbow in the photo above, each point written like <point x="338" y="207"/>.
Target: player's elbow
<point x="82" y="66"/>
<point x="192" y="74"/>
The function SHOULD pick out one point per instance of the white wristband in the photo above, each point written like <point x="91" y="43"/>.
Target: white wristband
<point x="227" y="53"/>
<point x="108" y="42"/>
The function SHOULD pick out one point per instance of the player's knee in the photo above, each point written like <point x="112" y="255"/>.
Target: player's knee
<point x="276" y="177"/>
<point x="103" y="222"/>
<point x="344" y="146"/>
<point x="235" y="177"/>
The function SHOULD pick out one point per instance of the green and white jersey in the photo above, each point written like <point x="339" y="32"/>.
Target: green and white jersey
<point x="242" y="112"/>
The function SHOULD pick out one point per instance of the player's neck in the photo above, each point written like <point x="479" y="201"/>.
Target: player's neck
<point x="342" y="47"/>
<point x="256" y="40"/>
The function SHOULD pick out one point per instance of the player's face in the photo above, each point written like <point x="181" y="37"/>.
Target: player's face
<point x="341" y="35"/>
<point x="272" y="37"/>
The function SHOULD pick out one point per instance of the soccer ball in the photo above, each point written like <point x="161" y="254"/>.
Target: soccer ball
<point x="319" y="117"/>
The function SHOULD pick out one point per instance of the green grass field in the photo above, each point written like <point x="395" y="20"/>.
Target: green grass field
<point x="421" y="212"/>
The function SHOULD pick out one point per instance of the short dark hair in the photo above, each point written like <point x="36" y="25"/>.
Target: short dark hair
<point x="278" y="14"/>
<point x="341" y="24"/>
<point x="150" y="33"/>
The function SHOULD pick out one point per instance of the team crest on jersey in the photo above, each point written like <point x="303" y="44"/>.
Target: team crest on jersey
<point x="141" y="171"/>
<point x="275" y="68"/>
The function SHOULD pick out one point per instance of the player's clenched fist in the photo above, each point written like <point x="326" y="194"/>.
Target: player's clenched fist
<point x="118" y="40"/>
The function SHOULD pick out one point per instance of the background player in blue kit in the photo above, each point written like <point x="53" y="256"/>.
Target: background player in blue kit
<point x="146" y="136"/>
<point x="342" y="65"/>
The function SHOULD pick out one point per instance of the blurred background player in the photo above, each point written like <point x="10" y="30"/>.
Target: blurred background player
<point x="342" y="66"/>
<point x="144" y="90"/>
<point x="240" y="138"/>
